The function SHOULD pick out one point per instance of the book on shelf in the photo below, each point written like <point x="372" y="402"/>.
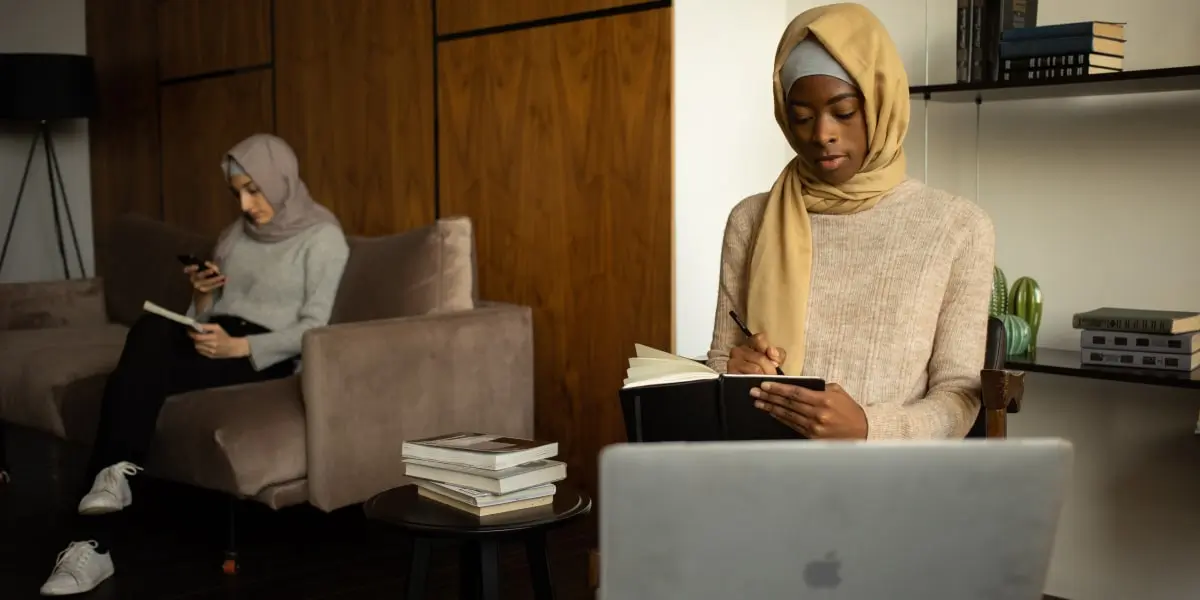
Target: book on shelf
<point x="483" y="474"/>
<point x="979" y="27"/>
<point x="666" y="397"/>
<point x="1019" y="75"/>
<point x="1184" y="343"/>
<point x="504" y="481"/>
<point x="483" y="451"/>
<point x="1133" y="320"/>
<point x="1114" y="63"/>
<point x="1082" y="44"/>
<point x="1102" y="29"/>
<point x="1142" y="360"/>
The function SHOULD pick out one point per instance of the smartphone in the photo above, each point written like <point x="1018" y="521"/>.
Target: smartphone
<point x="190" y="259"/>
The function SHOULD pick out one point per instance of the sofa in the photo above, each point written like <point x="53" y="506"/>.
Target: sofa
<point x="411" y="351"/>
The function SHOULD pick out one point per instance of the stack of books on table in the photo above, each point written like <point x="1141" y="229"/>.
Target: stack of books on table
<point x="484" y="474"/>
<point x="1067" y="50"/>
<point x="1145" y="339"/>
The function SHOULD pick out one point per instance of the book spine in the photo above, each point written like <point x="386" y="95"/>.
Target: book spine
<point x="1086" y="28"/>
<point x="962" y="45"/>
<point x="1018" y="75"/>
<point x="1161" y="326"/>
<point x="978" y="8"/>
<point x="1185" y="343"/>
<point x="1001" y="16"/>
<point x="1048" y="47"/>
<point x="1045" y="62"/>
<point x="1141" y="360"/>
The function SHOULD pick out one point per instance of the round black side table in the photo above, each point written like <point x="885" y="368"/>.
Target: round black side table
<point x="480" y="537"/>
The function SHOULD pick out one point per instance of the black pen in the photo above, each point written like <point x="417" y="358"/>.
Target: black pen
<point x="746" y="332"/>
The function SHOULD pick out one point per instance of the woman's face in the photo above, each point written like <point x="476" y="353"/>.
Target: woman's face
<point x="254" y="204"/>
<point x="826" y="118"/>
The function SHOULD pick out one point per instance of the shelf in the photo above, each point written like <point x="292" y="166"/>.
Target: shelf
<point x="1110" y="84"/>
<point x="1066" y="362"/>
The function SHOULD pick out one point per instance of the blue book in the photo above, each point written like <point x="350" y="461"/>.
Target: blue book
<point x="1102" y="29"/>
<point x="1084" y="44"/>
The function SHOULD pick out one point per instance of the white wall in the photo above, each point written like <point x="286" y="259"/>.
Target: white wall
<point x="727" y="145"/>
<point x="1055" y="177"/>
<point x="43" y="26"/>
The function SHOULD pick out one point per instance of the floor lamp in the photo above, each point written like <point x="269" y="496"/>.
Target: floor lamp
<point x="42" y="88"/>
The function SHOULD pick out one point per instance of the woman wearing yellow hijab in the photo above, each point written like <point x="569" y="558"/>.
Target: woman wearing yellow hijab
<point x="847" y="269"/>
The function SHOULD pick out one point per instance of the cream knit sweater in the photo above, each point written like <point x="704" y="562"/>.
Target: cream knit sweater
<point x="897" y="311"/>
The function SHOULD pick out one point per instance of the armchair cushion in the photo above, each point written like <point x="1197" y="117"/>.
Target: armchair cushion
<point x="43" y="304"/>
<point x="43" y="370"/>
<point x="425" y="270"/>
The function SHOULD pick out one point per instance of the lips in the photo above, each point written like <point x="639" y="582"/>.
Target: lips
<point x="831" y="162"/>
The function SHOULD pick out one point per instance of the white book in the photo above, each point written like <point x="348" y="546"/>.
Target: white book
<point x="1183" y="343"/>
<point x="503" y="481"/>
<point x="1141" y="360"/>
<point x="483" y="451"/>
<point x="482" y="499"/>
<point x="153" y="308"/>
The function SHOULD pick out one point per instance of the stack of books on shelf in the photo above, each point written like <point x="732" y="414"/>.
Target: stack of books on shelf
<point x="484" y="474"/>
<point x="1067" y="50"/>
<point x="1144" y="339"/>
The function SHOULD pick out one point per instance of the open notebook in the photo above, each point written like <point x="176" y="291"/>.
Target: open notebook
<point x="666" y="397"/>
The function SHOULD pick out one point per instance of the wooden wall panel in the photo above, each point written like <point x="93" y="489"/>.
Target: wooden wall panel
<point x="204" y="36"/>
<point x="354" y="81"/>
<point x="201" y="121"/>
<point x="466" y="15"/>
<point x="123" y="135"/>
<point x="556" y="141"/>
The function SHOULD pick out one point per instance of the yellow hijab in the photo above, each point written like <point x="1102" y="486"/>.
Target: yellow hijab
<point x="781" y="264"/>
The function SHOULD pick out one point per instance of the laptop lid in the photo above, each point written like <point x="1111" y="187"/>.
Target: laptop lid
<point x="938" y="520"/>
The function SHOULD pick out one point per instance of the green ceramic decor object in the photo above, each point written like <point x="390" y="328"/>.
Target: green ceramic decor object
<point x="1016" y="332"/>
<point x="1025" y="301"/>
<point x="999" y="305"/>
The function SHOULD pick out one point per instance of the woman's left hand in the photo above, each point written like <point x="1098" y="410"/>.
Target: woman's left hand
<point x="831" y="414"/>
<point x="215" y="343"/>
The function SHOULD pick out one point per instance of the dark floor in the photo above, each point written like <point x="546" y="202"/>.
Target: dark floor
<point x="173" y="547"/>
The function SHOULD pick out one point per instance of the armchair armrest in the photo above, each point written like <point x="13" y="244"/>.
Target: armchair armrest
<point x="1002" y="393"/>
<point x="45" y="304"/>
<point x="370" y="386"/>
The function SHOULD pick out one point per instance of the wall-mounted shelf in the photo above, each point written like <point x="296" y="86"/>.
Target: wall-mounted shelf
<point x="1126" y="82"/>
<point x="1066" y="362"/>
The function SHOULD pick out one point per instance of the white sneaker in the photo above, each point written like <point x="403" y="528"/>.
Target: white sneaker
<point x="78" y="569"/>
<point x="110" y="491"/>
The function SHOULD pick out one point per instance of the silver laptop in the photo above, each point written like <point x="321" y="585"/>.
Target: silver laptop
<point x="949" y="520"/>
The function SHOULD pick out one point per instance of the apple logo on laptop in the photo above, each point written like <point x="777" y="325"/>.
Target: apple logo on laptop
<point x="823" y="573"/>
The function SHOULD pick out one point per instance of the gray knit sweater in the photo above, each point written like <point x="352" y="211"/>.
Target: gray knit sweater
<point x="287" y="287"/>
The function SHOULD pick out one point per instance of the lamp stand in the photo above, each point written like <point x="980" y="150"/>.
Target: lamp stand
<point x="54" y="174"/>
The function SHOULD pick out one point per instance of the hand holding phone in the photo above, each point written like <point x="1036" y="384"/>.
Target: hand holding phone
<point x="204" y="275"/>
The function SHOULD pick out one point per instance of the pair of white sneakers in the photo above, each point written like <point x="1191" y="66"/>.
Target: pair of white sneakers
<point x="80" y="568"/>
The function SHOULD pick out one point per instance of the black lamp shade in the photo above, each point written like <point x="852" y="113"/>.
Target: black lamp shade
<point x="47" y="86"/>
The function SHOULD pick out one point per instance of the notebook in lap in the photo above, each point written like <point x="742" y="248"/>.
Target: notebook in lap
<point x="950" y="520"/>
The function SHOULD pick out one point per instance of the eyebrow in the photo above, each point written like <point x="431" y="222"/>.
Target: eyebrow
<point x="832" y="100"/>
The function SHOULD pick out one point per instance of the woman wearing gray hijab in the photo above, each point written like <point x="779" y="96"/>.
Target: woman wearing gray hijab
<point x="274" y="275"/>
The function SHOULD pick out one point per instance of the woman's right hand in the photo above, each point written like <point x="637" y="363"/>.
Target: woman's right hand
<point x="205" y="281"/>
<point x="755" y="357"/>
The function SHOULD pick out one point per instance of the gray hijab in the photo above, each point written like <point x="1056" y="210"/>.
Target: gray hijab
<point x="809" y="57"/>
<point x="272" y="164"/>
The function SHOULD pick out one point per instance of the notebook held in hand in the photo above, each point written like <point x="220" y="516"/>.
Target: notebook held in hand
<point x="669" y="398"/>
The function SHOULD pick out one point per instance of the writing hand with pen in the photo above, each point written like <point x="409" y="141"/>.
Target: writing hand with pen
<point x="828" y="414"/>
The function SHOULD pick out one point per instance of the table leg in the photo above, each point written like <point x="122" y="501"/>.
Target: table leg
<point x="479" y="570"/>
<point x="539" y="566"/>
<point x="418" y="569"/>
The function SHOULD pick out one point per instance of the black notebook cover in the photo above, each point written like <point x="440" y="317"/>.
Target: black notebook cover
<point x="704" y="411"/>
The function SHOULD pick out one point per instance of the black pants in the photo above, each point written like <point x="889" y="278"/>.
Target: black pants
<point x="159" y="360"/>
